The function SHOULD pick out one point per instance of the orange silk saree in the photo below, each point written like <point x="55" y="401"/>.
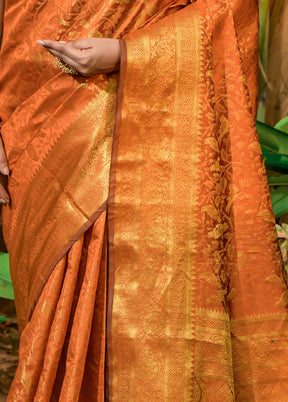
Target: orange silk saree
<point x="156" y="277"/>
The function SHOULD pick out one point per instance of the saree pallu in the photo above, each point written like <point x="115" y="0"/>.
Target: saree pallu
<point x="188" y="301"/>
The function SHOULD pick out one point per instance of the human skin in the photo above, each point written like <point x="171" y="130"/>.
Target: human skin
<point x="87" y="56"/>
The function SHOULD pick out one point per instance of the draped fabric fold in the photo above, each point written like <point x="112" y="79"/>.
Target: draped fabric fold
<point x="198" y="296"/>
<point x="195" y="291"/>
<point x="58" y="130"/>
<point x="60" y="359"/>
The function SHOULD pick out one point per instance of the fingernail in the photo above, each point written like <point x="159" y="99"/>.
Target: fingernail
<point x="41" y="42"/>
<point x="3" y="201"/>
<point x="5" y="171"/>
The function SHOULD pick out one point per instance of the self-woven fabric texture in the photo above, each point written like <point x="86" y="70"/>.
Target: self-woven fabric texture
<point x="192" y="277"/>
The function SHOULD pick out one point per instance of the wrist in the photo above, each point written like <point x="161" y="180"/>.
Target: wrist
<point x="116" y="55"/>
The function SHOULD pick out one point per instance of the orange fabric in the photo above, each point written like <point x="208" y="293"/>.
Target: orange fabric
<point x="199" y="295"/>
<point x="58" y="130"/>
<point x="58" y="345"/>
<point x="196" y="297"/>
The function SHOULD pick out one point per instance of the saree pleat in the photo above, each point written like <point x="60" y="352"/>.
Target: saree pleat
<point x="189" y="300"/>
<point x="58" y="337"/>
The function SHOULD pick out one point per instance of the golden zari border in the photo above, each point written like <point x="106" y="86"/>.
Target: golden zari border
<point x="153" y="213"/>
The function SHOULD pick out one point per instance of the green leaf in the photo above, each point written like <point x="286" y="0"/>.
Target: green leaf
<point x="275" y="160"/>
<point x="282" y="125"/>
<point x="6" y="288"/>
<point x="272" y="139"/>
<point x="281" y="180"/>
<point x="280" y="201"/>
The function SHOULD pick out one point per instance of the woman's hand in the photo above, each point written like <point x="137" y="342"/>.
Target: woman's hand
<point x="87" y="56"/>
<point x="4" y="197"/>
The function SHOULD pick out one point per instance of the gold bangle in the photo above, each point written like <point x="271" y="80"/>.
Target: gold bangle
<point x="66" y="68"/>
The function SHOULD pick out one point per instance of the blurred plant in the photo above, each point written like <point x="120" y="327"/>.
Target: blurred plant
<point x="6" y="288"/>
<point x="264" y="23"/>
<point x="273" y="140"/>
<point x="274" y="144"/>
<point x="269" y="16"/>
<point x="7" y="305"/>
<point x="282" y="231"/>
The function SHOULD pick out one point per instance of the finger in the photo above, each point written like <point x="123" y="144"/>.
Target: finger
<point x="65" y="59"/>
<point x="80" y="44"/>
<point x="63" y="48"/>
<point x="4" y="169"/>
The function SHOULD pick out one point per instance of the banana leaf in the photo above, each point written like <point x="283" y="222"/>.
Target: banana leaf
<point x="280" y="201"/>
<point x="274" y="144"/>
<point x="282" y="125"/>
<point x="281" y="180"/>
<point x="272" y="138"/>
<point x="275" y="161"/>
<point x="6" y="288"/>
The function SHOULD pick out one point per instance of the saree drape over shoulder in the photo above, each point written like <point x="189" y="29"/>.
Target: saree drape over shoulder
<point x="154" y="274"/>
